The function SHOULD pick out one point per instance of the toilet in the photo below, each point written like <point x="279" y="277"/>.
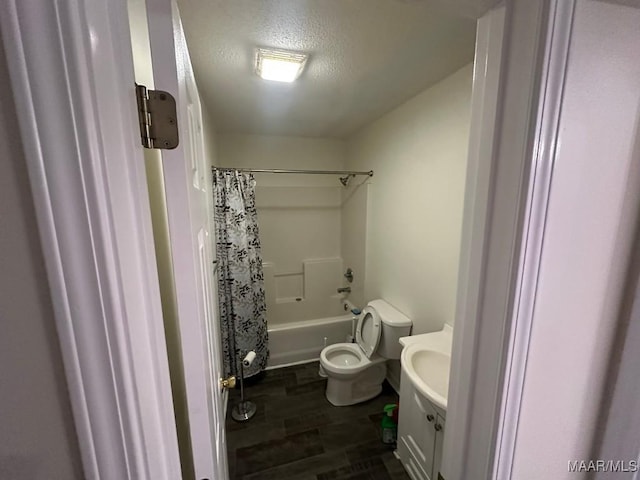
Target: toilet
<point x="355" y="371"/>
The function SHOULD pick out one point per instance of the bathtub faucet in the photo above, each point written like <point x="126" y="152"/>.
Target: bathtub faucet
<point x="344" y="290"/>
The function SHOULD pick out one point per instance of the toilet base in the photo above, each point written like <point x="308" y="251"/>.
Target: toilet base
<point x="365" y="386"/>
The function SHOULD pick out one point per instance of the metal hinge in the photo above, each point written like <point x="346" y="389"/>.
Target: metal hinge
<point x="158" y="119"/>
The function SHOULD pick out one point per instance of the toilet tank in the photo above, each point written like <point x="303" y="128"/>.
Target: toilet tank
<point x="395" y="324"/>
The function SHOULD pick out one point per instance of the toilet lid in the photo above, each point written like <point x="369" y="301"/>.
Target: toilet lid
<point x="368" y="331"/>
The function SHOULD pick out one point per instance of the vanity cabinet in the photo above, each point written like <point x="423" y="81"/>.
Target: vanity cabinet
<point x="420" y="433"/>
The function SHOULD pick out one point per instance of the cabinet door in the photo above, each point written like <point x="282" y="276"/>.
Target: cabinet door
<point x="437" y="455"/>
<point x="422" y="435"/>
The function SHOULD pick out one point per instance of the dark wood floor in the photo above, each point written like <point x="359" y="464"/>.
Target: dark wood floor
<point x="297" y="434"/>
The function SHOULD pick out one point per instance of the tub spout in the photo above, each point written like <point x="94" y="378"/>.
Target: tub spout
<point x="344" y="290"/>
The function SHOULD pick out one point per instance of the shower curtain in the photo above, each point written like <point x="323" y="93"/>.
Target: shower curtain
<point x="241" y="296"/>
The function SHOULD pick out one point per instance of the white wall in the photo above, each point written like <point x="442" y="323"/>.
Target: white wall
<point x="353" y="235"/>
<point x="210" y="137"/>
<point x="592" y="215"/>
<point x="415" y="200"/>
<point x="37" y="433"/>
<point x="299" y="218"/>
<point x="272" y="151"/>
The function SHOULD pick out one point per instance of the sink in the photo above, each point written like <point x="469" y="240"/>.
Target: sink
<point x="427" y="365"/>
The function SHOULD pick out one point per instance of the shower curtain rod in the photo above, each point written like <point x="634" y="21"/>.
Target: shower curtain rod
<point x="275" y="170"/>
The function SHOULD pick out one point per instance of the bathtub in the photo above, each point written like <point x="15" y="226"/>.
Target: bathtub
<point x="302" y="342"/>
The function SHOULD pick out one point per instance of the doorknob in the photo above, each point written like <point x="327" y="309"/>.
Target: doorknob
<point x="228" y="383"/>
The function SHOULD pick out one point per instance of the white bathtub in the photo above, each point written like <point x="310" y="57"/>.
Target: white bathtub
<point x="302" y="342"/>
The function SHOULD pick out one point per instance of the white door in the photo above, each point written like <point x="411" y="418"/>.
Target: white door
<point x="189" y="206"/>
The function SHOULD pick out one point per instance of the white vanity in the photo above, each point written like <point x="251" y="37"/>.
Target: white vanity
<point x="424" y="385"/>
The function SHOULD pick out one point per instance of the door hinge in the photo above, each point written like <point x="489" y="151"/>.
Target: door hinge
<point x="158" y="118"/>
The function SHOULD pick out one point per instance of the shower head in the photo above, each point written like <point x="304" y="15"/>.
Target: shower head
<point x="346" y="179"/>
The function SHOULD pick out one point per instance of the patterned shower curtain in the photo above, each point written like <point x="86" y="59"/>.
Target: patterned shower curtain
<point x="240" y="278"/>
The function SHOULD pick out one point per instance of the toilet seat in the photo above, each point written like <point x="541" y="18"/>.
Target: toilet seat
<point x="346" y="359"/>
<point x="355" y="371"/>
<point x="368" y="331"/>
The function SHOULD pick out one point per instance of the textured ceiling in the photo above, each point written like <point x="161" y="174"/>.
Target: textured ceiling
<point x="366" y="57"/>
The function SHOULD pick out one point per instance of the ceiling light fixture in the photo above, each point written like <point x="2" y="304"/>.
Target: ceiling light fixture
<point x="279" y="65"/>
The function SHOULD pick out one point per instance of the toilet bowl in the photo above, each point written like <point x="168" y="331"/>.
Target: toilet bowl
<point x="355" y="371"/>
<point x="346" y="360"/>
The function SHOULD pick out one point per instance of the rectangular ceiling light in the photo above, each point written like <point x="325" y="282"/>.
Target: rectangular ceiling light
<point x="279" y="65"/>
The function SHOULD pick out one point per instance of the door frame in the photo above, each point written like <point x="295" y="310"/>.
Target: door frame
<point x="72" y="80"/>
<point x="71" y="73"/>
<point x="515" y="119"/>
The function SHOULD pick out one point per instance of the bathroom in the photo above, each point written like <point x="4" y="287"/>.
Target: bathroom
<point x="112" y="354"/>
<point x="396" y="111"/>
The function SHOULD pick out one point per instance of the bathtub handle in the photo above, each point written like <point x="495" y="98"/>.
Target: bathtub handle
<point x="349" y="275"/>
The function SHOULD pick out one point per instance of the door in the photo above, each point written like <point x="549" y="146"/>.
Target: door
<point x="416" y="435"/>
<point x="422" y="436"/>
<point x="189" y="200"/>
